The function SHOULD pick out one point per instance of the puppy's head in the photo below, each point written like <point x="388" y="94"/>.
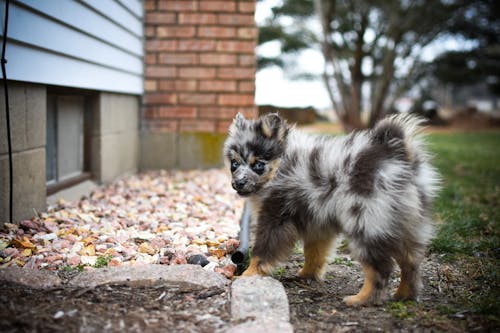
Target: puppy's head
<point x="253" y="151"/>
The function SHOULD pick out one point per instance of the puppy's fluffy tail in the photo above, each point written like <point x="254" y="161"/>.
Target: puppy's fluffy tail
<point x="405" y="131"/>
<point x="401" y="130"/>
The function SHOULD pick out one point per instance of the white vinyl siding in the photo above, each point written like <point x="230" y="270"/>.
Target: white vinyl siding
<point x="90" y="44"/>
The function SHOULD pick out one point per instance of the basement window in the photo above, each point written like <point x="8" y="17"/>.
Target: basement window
<point x="67" y="148"/>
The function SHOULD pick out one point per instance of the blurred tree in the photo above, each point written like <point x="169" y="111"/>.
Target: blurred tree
<point x="480" y="22"/>
<point x="373" y="43"/>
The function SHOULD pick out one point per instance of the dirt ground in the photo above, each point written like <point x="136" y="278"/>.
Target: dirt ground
<point x="314" y="306"/>
<point x="114" y="309"/>
<point x="318" y="306"/>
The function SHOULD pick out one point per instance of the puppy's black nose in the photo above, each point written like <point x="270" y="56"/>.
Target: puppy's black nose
<point x="239" y="183"/>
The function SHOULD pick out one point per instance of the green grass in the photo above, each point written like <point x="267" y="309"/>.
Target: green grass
<point x="468" y="212"/>
<point x="469" y="204"/>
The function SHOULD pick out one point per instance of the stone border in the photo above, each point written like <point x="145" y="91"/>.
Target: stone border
<point x="263" y="300"/>
<point x="260" y="303"/>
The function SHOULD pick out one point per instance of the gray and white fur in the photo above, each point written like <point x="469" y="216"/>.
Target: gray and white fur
<point x="375" y="186"/>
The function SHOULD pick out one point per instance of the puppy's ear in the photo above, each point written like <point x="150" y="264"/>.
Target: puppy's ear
<point x="239" y="123"/>
<point x="273" y="126"/>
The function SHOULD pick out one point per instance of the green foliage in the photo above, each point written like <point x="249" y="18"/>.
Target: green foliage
<point x="102" y="261"/>
<point x="401" y="310"/>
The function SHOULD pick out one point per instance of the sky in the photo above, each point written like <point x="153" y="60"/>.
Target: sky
<point x="274" y="86"/>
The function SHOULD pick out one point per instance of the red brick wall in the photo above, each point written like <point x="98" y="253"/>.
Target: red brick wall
<point x="199" y="64"/>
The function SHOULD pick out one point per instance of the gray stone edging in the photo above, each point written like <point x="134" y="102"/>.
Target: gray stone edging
<point x="33" y="278"/>
<point x="264" y="301"/>
<point x="146" y="275"/>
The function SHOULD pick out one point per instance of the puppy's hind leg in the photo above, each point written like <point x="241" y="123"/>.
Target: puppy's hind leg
<point x="315" y="255"/>
<point x="374" y="285"/>
<point x="410" y="277"/>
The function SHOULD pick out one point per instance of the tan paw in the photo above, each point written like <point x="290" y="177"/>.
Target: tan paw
<point x="308" y="274"/>
<point x="354" y="300"/>
<point x="251" y="272"/>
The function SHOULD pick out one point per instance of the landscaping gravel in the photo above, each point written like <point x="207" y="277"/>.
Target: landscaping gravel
<point x="151" y="218"/>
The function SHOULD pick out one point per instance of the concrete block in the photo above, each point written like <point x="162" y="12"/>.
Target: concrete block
<point x="29" y="184"/>
<point x="158" y="151"/>
<point x="118" y="113"/>
<point x="27" y="117"/>
<point x="36" y="116"/>
<point x="119" y="155"/>
<point x="200" y="150"/>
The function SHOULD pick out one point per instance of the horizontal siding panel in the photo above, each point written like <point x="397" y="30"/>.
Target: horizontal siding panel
<point x="40" y="31"/>
<point x="39" y="66"/>
<point x="83" y="18"/>
<point x="117" y="13"/>
<point x="135" y="6"/>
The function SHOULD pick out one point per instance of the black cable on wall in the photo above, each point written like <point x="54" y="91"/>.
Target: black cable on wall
<point x="7" y="111"/>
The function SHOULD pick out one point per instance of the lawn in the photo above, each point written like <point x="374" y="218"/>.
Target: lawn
<point x="468" y="211"/>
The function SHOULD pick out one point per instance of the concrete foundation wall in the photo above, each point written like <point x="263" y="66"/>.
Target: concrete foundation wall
<point x="187" y="150"/>
<point x="115" y="136"/>
<point x="28" y="107"/>
<point x="114" y="144"/>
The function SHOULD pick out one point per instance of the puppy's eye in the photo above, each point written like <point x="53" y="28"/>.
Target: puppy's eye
<point x="258" y="167"/>
<point x="234" y="165"/>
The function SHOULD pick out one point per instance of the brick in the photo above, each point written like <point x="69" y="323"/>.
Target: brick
<point x="197" y="45"/>
<point x="150" y="31"/>
<point x="163" y="125"/>
<point x="246" y="86"/>
<point x="160" y="18"/>
<point x="181" y="6"/>
<point x="150" y="59"/>
<point x="236" y="46"/>
<point x="186" y="85"/>
<point x="246" y="6"/>
<point x="217" y="112"/>
<point x="235" y="73"/>
<point x="218" y="59"/>
<point x="161" y="45"/>
<point x="175" y="31"/>
<point x="177" y="58"/>
<point x="176" y="112"/>
<point x="150" y="5"/>
<point x="178" y="85"/>
<point x="236" y="19"/>
<point x="150" y="85"/>
<point x="197" y="18"/>
<point x="217" y="6"/>
<point x="160" y="98"/>
<point x="217" y="32"/>
<point x="247" y="60"/>
<point x="236" y="99"/>
<point x="160" y="71"/>
<point x="149" y="112"/>
<point x="217" y="85"/>
<point x="198" y="125"/>
<point x="197" y="72"/>
<point x="223" y="126"/>
<point x="196" y="99"/>
<point x="247" y="33"/>
<point x="248" y="112"/>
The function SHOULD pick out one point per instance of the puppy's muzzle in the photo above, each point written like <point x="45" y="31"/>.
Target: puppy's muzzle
<point x="239" y="184"/>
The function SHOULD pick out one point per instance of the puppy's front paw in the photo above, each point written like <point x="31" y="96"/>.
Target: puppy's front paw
<point x="251" y="271"/>
<point x="304" y="273"/>
<point x="354" y="300"/>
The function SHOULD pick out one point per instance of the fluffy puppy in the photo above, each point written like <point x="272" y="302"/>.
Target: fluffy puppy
<point x="375" y="186"/>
